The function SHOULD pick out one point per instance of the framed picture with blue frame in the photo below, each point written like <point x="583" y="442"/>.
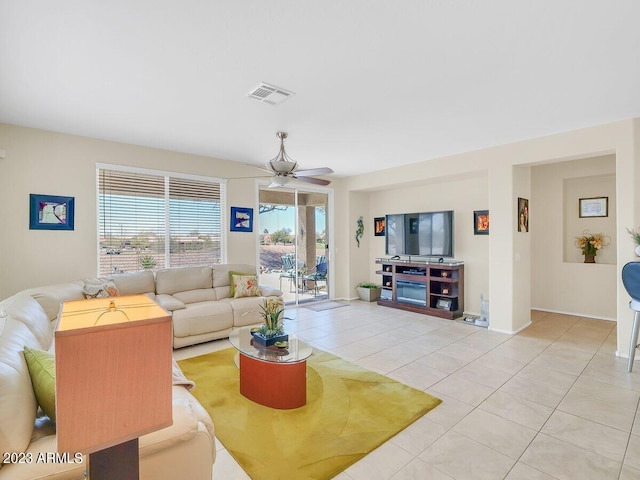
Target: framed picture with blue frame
<point x="241" y="219"/>
<point x="51" y="212"/>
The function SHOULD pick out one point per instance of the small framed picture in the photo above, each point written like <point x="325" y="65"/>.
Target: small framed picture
<point x="51" y="212"/>
<point x="378" y="226"/>
<point x="594" y="207"/>
<point x="481" y="222"/>
<point x="444" y="304"/>
<point x="241" y="219"/>
<point x="523" y="215"/>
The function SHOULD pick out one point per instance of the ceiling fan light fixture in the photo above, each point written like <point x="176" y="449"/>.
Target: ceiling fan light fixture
<point x="282" y="166"/>
<point x="282" y="163"/>
<point x="280" y="181"/>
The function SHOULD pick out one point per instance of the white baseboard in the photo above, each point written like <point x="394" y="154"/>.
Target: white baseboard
<point x="509" y="332"/>
<point x="575" y="314"/>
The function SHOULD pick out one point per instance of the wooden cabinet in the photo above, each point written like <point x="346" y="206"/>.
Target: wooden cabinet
<point x="431" y="288"/>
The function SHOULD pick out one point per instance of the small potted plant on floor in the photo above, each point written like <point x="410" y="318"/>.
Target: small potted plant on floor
<point x="636" y="238"/>
<point x="369" y="292"/>
<point x="272" y="330"/>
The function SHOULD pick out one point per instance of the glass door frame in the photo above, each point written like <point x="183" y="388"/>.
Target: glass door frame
<point x="296" y="189"/>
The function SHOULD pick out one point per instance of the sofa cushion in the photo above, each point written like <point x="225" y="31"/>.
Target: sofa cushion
<point x="246" y="310"/>
<point x="172" y="280"/>
<point x="169" y="302"/>
<point x="18" y="404"/>
<point x="203" y="317"/>
<point x="245" y="286"/>
<point x="221" y="277"/>
<point x="135" y="283"/>
<point x="42" y="370"/>
<point x="195" y="296"/>
<point x="267" y="291"/>
<point x="49" y="303"/>
<point x="62" y="291"/>
<point x="25" y="309"/>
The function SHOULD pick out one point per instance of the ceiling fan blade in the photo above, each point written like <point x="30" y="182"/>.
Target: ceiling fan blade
<point x="316" y="181"/>
<point x="264" y="169"/>
<point x="243" y="178"/>
<point x="313" y="171"/>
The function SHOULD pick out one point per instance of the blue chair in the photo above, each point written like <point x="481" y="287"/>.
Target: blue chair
<point x="631" y="281"/>
<point x="319" y="275"/>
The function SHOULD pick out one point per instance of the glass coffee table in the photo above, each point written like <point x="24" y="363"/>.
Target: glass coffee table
<point x="271" y="376"/>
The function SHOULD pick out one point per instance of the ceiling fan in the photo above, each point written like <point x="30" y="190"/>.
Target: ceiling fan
<point x="283" y="169"/>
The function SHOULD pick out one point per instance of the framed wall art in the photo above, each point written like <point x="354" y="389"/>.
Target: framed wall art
<point x="51" y="212"/>
<point x="379" y="226"/>
<point x="594" y="207"/>
<point x="523" y="215"/>
<point x="481" y="222"/>
<point x="241" y="219"/>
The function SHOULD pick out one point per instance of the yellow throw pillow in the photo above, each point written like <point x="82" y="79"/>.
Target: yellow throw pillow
<point x="245" y="286"/>
<point x="232" y="288"/>
<point x="42" y="369"/>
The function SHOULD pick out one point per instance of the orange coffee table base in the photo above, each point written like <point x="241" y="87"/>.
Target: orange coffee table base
<point x="275" y="385"/>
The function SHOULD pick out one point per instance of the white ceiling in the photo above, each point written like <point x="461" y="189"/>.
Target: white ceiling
<point x="377" y="83"/>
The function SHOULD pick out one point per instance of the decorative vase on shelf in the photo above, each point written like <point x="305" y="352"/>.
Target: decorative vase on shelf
<point x="638" y="250"/>
<point x="589" y="258"/>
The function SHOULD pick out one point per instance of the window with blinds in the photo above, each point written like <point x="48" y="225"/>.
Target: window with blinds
<point x="152" y="221"/>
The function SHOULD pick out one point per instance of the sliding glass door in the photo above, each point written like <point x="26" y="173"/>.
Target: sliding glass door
<point x="293" y="228"/>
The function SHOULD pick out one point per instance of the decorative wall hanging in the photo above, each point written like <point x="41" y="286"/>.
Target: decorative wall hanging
<point x="241" y="219"/>
<point x="378" y="226"/>
<point x="481" y="222"/>
<point x="51" y="212"/>
<point x="359" y="230"/>
<point x="594" y="207"/>
<point x="523" y="215"/>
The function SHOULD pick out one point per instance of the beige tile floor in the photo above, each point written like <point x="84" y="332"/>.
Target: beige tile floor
<point x="553" y="402"/>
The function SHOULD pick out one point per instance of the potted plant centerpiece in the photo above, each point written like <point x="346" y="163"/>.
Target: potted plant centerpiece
<point x="369" y="292"/>
<point x="590" y="243"/>
<point x="271" y="331"/>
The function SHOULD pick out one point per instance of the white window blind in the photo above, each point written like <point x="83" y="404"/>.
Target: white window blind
<point x="152" y="221"/>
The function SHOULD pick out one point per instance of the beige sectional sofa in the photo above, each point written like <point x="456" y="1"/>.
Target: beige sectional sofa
<point x="200" y="303"/>
<point x="27" y="438"/>
<point x="202" y="310"/>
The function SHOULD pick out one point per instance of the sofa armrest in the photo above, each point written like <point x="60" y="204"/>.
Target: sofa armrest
<point x="266" y="291"/>
<point x="189" y="417"/>
<point x="169" y="302"/>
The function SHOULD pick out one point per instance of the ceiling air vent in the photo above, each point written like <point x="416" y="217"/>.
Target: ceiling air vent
<point x="269" y="94"/>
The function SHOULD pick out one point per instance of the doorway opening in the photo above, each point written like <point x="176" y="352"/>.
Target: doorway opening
<point x="293" y="250"/>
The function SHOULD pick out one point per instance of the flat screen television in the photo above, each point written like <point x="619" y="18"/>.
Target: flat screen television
<point x="426" y="234"/>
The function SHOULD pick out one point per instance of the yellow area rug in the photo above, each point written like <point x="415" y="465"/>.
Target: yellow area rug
<point x="349" y="412"/>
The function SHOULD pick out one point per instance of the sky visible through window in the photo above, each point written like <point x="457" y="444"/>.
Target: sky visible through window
<point x="279" y="219"/>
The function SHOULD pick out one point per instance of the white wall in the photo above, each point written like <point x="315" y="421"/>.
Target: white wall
<point x="463" y="195"/>
<point x="50" y="163"/>
<point x="56" y="164"/>
<point x="561" y="282"/>
<point x="522" y="240"/>
<point x="597" y="185"/>
<point x="358" y="255"/>
<point x="507" y="294"/>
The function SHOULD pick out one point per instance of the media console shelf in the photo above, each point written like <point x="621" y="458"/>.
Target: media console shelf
<point x="431" y="288"/>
